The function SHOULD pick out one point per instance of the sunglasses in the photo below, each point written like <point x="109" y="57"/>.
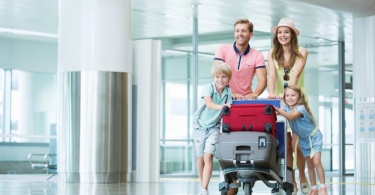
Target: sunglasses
<point x="286" y="76"/>
<point x="285" y="85"/>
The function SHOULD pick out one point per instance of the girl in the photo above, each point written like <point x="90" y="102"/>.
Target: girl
<point x="301" y="120"/>
<point x="286" y="62"/>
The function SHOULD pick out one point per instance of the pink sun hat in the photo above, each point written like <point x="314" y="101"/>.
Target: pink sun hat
<point x="286" y="22"/>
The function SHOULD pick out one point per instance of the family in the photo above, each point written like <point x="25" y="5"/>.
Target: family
<point x="233" y="71"/>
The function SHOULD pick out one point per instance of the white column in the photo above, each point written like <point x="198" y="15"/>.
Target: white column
<point x="364" y="97"/>
<point x="94" y="69"/>
<point x="95" y="35"/>
<point x="147" y="78"/>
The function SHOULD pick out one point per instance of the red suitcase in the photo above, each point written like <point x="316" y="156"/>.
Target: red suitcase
<point x="250" y="117"/>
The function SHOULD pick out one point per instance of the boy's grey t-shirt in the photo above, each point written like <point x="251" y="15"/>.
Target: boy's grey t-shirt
<point x="208" y="117"/>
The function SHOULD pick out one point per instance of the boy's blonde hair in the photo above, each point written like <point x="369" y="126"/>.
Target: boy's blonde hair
<point x="301" y="100"/>
<point x="221" y="67"/>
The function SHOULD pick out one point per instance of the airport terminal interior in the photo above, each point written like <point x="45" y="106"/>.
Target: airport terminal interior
<point x="39" y="66"/>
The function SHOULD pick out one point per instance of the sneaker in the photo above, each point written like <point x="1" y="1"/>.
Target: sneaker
<point x="305" y="188"/>
<point x="313" y="191"/>
<point x="323" y="191"/>
<point x="203" y="192"/>
<point x="295" y="191"/>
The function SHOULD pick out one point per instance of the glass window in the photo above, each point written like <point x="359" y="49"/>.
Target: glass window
<point x="2" y="88"/>
<point x="33" y="106"/>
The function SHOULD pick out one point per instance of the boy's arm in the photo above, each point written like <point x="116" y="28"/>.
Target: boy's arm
<point x="212" y="105"/>
<point x="288" y="115"/>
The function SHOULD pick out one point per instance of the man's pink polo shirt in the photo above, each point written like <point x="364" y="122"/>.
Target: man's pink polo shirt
<point x="243" y="66"/>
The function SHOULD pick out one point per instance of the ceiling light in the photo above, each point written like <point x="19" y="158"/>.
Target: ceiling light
<point x="25" y="32"/>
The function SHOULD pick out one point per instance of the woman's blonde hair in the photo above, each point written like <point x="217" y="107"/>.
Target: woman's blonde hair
<point x="221" y="67"/>
<point x="301" y="100"/>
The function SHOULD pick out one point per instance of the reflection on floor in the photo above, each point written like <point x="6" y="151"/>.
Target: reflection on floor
<point x="38" y="185"/>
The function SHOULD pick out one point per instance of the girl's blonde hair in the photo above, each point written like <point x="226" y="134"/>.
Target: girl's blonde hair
<point x="221" y="67"/>
<point x="301" y="100"/>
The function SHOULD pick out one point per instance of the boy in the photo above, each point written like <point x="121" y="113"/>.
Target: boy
<point x="214" y="97"/>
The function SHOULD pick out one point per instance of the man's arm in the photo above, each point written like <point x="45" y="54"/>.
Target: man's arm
<point x="262" y="83"/>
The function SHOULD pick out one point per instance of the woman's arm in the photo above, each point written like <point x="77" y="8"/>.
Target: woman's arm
<point x="300" y="65"/>
<point x="271" y="77"/>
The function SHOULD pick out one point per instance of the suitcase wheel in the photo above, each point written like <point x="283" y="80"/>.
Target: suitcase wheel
<point x="225" y="128"/>
<point x="268" y="128"/>
<point x="225" y="110"/>
<point x="268" y="109"/>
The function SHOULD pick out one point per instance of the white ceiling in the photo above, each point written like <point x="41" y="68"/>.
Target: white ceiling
<point x="172" y="21"/>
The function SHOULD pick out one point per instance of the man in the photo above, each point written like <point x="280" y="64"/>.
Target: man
<point x="244" y="61"/>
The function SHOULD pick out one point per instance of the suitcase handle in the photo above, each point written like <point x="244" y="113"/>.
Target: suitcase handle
<point x="246" y="112"/>
<point x="243" y="152"/>
<point x="242" y="162"/>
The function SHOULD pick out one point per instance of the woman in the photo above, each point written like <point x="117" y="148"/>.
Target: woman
<point x="286" y="62"/>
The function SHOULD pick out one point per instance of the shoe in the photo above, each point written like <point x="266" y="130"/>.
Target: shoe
<point x="203" y="192"/>
<point x="232" y="191"/>
<point x="305" y="187"/>
<point x="313" y="192"/>
<point x="323" y="190"/>
<point x="295" y="191"/>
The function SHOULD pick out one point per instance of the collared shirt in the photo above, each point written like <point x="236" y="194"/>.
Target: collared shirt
<point x="243" y="66"/>
<point x="208" y="117"/>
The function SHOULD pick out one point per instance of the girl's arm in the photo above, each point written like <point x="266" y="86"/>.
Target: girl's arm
<point x="271" y="77"/>
<point x="212" y="105"/>
<point x="288" y="115"/>
<point x="300" y="65"/>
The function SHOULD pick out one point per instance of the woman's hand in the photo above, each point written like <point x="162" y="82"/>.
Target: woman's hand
<point x="280" y="96"/>
<point x="271" y="96"/>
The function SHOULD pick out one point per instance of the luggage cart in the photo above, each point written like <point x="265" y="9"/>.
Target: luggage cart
<point x="250" y="156"/>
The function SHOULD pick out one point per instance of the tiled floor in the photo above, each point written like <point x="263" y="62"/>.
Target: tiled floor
<point x="38" y="185"/>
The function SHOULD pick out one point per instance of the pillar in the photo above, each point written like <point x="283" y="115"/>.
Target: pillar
<point x="147" y="81"/>
<point x="94" y="86"/>
<point x="364" y="98"/>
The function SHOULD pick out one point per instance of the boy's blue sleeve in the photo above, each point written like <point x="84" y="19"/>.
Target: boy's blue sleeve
<point x="230" y="94"/>
<point x="206" y="91"/>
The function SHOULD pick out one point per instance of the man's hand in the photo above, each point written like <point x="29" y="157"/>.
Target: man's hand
<point x="237" y="97"/>
<point x="251" y="96"/>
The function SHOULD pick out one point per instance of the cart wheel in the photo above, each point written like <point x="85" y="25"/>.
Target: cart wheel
<point x="288" y="192"/>
<point x="247" y="188"/>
